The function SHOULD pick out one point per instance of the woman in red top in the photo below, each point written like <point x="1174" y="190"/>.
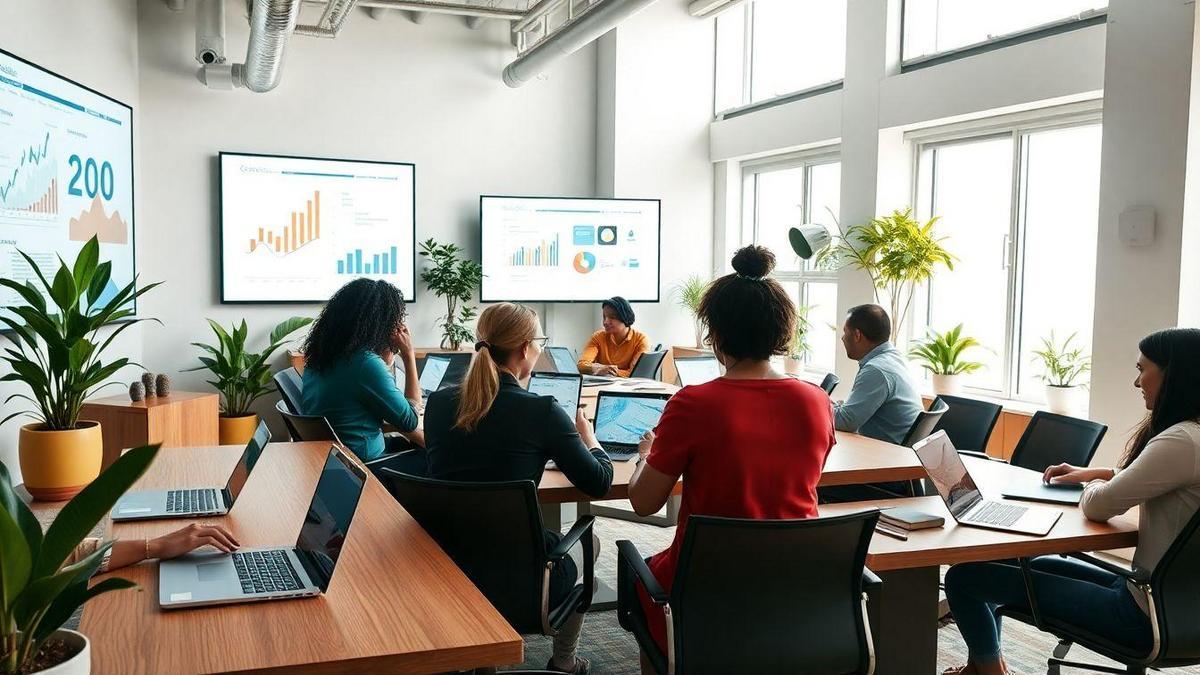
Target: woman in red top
<point x="751" y="444"/>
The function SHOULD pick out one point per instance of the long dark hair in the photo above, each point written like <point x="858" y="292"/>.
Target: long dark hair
<point x="360" y="315"/>
<point x="1176" y="351"/>
<point x="747" y="314"/>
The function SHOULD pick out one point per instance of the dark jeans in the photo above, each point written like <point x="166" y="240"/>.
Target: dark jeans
<point x="1071" y="590"/>
<point x="414" y="462"/>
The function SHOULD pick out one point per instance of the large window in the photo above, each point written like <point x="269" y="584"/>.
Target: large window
<point x="772" y="48"/>
<point x="938" y="26"/>
<point x="782" y="194"/>
<point x="1019" y="210"/>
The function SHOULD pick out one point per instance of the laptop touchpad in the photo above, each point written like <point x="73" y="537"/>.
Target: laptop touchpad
<point x="211" y="571"/>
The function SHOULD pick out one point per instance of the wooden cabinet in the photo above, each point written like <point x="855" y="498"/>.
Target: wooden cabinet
<point x="179" y="420"/>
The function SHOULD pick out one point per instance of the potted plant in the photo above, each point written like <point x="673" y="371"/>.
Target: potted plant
<point x="899" y="252"/>
<point x="242" y="377"/>
<point x="55" y="351"/>
<point x="1062" y="366"/>
<point x="454" y="278"/>
<point x="688" y="294"/>
<point x="799" y="347"/>
<point x="942" y="355"/>
<point x="40" y="593"/>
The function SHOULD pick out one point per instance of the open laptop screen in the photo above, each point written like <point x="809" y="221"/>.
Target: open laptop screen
<point x="329" y="514"/>
<point x="621" y="419"/>
<point x="948" y="473"/>
<point x="563" y="387"/>
<point x="697" y="369"/>
<point x="241" y="472"/>
<point x="564" y="362"/>
<point x="432" y="374"/>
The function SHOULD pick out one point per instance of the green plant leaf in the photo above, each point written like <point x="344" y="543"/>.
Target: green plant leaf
<point x="72" y="599"/>
<point x="85" y="263"/>
<point x="9" y="501"/>
<point x="17" y="560"/>
<point x="287" y="327"/>
<point x="41" y="591"/>
<point x="63" y="291"/>
<point x="98" y="283"/>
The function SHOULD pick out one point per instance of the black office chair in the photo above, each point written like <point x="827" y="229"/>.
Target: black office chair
<point x="649" y="365"/>
<point x="493" y="532"/>
<point x="1051" y="439"/>
<point x="456" y="371"/>
<point x="759" y="596"/>
<point x="1172" y="590"/>
<point x="968" y="423"/>
<point x="413" y="461"/>
<point x="830" y="383"/>
<point x="291" y="388"/>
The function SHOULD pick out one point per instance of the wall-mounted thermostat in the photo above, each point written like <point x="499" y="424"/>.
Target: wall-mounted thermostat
<point x="1136" y="226"/>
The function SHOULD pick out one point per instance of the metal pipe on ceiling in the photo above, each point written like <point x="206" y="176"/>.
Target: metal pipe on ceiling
<point x="457" y="9"/>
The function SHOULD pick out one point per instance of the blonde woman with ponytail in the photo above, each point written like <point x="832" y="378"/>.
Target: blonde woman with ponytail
<point x="492" y="429"/>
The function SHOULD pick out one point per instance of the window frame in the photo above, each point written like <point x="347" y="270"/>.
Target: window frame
<point x="1057" y="27"/>
<point x="750" y="231"/>
<point x="1017" y="127"/>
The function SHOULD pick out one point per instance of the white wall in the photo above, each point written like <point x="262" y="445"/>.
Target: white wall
<point x="94" y="43"/>
<point x="386" y="89"/>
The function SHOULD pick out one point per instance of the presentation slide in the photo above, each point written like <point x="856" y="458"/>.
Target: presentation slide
<point x="295" y="229"/>
<point x="538" y="249"/>
<point x="66" y="175"/>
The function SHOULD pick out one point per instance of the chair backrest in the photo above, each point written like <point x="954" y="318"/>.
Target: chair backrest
<point x="492" y="531"/>
<point x="1051" y="439"/>
<point x="308" y="427"/>
<point x="456" y="372"/>
<point x="281" y="407"/>
<point x="923" y="426"/>
<point x="830" y="383"/>
<point x="968" y="422"/>
<point x="291" y="388"/>
<point x="1175" y="584"/>
<point x="649" y="364"/>
<point x="785" y="595"/>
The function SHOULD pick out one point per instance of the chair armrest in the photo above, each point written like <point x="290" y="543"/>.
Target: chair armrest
<point x="581" y="532"/>
<point x="979" y="454"/>
<point x="1135" y="576"/>
<point x="629" y="555"/>
<point x="1031" y="597"/>
<point x="574" y="536"/>
<point x="870" y="581"/>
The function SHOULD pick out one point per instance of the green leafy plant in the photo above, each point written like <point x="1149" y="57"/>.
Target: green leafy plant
<point x="55" y="350"/>
<point x="454" y="278"/>
<point x="38" y="593"/>
<point x="942" y="353"/>
<point x="800" y="345"/>
<point x="899" y="253"/>
<point x="243" y="377"/>
<point x="1063" y="364"/>
<point x="688" y="294"/>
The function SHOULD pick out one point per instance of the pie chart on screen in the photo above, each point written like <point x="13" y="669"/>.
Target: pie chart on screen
<point x="584" y="262"/>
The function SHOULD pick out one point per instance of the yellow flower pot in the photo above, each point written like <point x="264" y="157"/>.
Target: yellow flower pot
<point x="57" y="465"/>
<point x="236" y="430"/>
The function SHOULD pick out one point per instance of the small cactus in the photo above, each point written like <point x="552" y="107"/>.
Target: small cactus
<point x="162" y="385"/>
<point x="148" y="383"/>
<point x="136" y="391"/>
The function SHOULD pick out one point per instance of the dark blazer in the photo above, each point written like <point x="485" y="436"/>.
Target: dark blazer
<point x="513" y="441"/>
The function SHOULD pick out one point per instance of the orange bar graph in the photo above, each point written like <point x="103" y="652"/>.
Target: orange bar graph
<point x="304" y="226"/>
<point x="317" y="206"/>
<point x="308" y="223"/>
<point x="253" y="245"/>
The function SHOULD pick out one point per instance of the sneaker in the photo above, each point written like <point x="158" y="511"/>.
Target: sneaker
<point x="582" y="666"/>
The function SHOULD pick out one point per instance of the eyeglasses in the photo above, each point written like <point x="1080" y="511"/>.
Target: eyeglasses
<point x="541" y="341"/>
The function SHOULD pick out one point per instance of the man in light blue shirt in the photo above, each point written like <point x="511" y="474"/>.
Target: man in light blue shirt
<point x="884" y="402"/>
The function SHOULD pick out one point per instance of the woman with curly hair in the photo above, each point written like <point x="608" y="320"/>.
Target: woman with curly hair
<point x="347" y="375"/>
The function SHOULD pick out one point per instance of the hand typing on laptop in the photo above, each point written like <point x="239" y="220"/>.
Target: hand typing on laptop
<point x="1066" y="473"/>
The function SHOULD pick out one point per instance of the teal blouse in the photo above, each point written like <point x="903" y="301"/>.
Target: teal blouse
<point x="357" y="395"/>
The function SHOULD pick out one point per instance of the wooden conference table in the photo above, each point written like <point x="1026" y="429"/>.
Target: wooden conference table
<point x="396" y="604"/>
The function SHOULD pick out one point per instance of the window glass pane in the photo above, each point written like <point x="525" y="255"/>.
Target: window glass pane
<point x="934" y="26"/>
<point x="1062" y="194"/>
<point x="971" y="194"/>
<point x="780" y="196"/>
<point x="821" y="299"/>
<point x="824" y="200"/>
<point x="797" y="44"/>
<point x="731" y="53"/>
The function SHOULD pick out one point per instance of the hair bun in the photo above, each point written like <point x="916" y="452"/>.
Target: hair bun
<point x="753" y="261"/>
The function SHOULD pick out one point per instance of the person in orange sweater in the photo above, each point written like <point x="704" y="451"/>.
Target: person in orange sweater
<point x="614" y="350"/>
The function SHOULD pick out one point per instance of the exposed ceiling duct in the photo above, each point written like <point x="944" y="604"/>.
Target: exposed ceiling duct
<point x="577" y="33"/>
<point x="707" y="8"/>
<point x="271" y="24"/>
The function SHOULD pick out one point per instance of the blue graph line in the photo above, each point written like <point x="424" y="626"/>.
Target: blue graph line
<point x="33" y="156"/>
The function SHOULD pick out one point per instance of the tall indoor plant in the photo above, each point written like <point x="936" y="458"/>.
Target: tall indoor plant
<point x="454" y="278"/>
<point x="242" y="376"/>
<point x="1063" y="365"/>
<point x="688" y="294"/>
<point x="799" y="346"/>
<point x="38" y="593"/>
<point x="55" y="351"/>
<point x="942" y="355"/>
<point x="899" y="253"/>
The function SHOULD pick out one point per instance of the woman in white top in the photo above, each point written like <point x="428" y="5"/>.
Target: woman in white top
<point x="1160" y="473"/>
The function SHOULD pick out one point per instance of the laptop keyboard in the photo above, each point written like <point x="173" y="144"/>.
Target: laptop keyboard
<point x="192" y="501"/>
<point x="266" y="571"/>
<point x="619" y="453"/>
<point x="999" y="513"/>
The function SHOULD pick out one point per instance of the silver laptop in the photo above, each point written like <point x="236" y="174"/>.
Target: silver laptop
<point x="249" y="575"/>
<point x="622" y="417"/>
<point x="432" y="375"/>
<point x="564" y="387"/>
<point x="564" y="362"/>
<point x="189" y="502"/>
<point x="696" y="369"/>
<point x="965" y="502"/>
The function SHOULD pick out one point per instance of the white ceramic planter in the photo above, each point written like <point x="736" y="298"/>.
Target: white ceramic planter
<point x="1063" y="400"/>
<point x="81" y="663"/>
<point x="947" y="384"/>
